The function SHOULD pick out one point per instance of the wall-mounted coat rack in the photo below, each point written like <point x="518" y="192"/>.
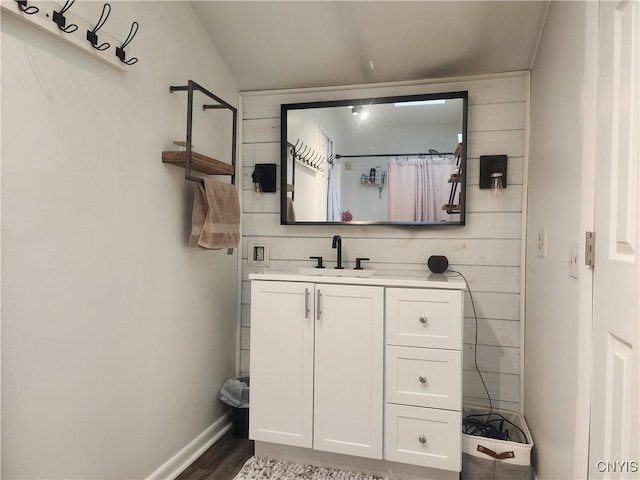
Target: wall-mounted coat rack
<point x="191" y="160"/>
<point x="308" y="156"/>
<point x="62" y="23"/>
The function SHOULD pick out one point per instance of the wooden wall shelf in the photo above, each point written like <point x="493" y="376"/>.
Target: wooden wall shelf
<point x="199" y="163"/>
<point x="451" y="208"/>
<point x="191" y="160"/>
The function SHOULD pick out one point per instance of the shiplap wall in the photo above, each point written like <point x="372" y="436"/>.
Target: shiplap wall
<point x="487" y="250"/>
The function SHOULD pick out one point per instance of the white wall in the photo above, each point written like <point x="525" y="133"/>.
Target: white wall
<point x="365" y="201"/>
<point x="116" y="336"/>
<point x="558" y="332"/>
<point x="487" y="250"/>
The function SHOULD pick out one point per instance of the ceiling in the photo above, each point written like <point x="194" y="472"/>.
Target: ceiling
<point x="272" y="45"/>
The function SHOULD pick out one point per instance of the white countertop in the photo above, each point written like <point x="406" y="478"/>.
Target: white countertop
<point x="427" y="280"/>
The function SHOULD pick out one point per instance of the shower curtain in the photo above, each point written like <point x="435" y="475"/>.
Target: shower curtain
<point x="418" y="189"/>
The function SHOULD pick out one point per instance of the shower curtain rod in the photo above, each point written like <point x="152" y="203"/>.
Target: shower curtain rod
<point x="431" y="154"/>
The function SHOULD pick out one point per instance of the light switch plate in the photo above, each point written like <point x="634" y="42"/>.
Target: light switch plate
<point x="574" y="250"/>
<point x="258" y="254"/>
<point x="542" y="242"/>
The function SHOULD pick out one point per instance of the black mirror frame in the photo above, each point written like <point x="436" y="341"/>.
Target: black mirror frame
<point x="285" y="107"/>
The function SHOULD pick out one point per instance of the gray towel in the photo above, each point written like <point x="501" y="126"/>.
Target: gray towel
<point x="215" y="217"/>
<point x="291" y="213"/>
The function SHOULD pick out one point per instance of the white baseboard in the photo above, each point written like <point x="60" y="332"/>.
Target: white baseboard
<point x="196" y="447"/>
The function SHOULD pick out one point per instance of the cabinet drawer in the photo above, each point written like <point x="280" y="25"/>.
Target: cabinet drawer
<point x="424" y="318"/>
<point x="424" y="377"/>
<point x="423" y="436"/>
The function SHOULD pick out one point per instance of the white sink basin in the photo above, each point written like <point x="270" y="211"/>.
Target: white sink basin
<point x="333" y="272"/>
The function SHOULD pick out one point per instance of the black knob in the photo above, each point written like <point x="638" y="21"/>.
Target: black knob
<point x="359" y="261"/>
<point x="319" y="259"/>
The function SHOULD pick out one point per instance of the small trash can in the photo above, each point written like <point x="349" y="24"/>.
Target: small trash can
<point x="235" y="393"/>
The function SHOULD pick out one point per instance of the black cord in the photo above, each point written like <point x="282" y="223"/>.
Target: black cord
<point x="471" y="424"/>
<point x="475" y="347"/>
<point x="486" y="428"/>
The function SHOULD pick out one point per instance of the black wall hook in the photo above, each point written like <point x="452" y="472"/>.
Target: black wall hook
<point x="92" y="35"/>
<point x="60" y="20"/>
<point x="28" y="9"/>
<point x="120" y="53"/>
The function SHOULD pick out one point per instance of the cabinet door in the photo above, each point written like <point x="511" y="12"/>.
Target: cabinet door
<point x="349" y="370"/>
<point x="281" y="397"/>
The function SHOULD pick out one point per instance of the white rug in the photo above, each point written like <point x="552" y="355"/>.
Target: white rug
<point x="266" y="468"/>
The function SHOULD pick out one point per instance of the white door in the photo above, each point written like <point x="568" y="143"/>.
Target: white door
<point x="281" y="395"/>
<point x="349" y="370"/>
<point x="615" y="424"/>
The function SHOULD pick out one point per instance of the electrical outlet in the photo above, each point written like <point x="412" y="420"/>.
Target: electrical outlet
<point x="573" y="259"/>
<point x="258" y="254"/>
<point x="542" y="242"/>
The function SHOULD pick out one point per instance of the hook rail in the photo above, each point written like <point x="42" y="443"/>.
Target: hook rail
<point x="307" y="155"/>
<point x="41" y="17"/>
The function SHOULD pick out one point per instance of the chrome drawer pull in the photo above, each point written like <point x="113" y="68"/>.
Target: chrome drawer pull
<point x="306" y="303"/>
<point x="424" y="319"/>
<point x="318" y="307"/>
<point x="422" y="439"/>
<point x="422" y="379"/>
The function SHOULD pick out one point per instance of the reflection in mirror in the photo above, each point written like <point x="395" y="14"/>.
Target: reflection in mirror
<point x="392" y="160"/>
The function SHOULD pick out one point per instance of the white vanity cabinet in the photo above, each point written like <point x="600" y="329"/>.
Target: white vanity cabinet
<point x="368" y="367"/>
<point x="316" y="358"/>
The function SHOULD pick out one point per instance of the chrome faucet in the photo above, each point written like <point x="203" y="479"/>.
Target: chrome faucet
<point x="337" y="243"/>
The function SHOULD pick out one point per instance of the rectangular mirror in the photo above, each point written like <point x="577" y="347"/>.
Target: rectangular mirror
<point x="375" y="161"/>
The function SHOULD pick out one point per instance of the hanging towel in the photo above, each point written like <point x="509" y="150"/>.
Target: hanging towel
<point x="333" y="195"/>
<point x="215" y="218"/>
<point x="291" y="213"/>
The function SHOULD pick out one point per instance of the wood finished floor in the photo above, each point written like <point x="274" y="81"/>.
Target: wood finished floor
<point x="222" y="461"/>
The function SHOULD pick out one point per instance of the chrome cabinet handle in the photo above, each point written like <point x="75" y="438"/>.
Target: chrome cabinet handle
<point x="306" y="303"/>
<point x="422" y="379"/>
<point x="422" y="439"/>
<point x="424" y="319"/>
<point x="318" y="308"/>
